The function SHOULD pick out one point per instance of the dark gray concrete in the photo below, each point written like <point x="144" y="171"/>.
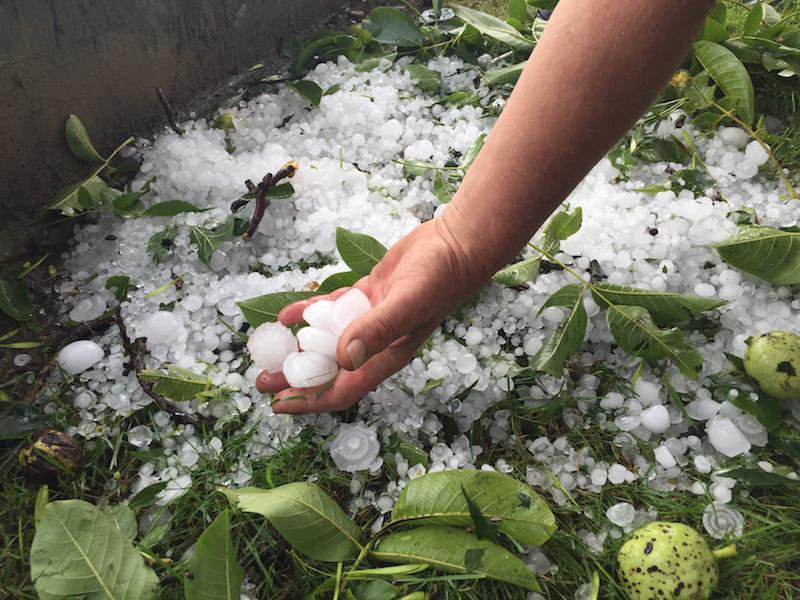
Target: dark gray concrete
<point x="102" y="60"/>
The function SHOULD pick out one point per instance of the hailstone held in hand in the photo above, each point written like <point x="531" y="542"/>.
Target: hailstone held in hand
<point x="274" y="348"/>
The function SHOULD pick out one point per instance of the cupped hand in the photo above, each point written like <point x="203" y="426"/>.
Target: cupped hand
<point x="419" y="281"/>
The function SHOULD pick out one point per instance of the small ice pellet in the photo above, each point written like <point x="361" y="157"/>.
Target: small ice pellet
<point x="270" y="344"/>
<point x="22" y="359"/>
<point x="314" y="339"/>
<point x="160" y="327"/>
<point x="664" y="457"/>
<point x="78" y="356"/>
<point x="140" y="436"/>
<point x="734" y="136"/>
<point x="621" y="514"/>
<point x="318" y="314"/>
<point x="726" y="438"/>
<point x="347" y="308"/>
<point x="702" y="464"/>
<point x="655" y="418"/>
<point x="309" y="369"/>
<point x="88" y="309"/>
<point x="755" y="153"/>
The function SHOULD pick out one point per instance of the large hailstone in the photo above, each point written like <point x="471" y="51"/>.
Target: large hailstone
<point x="355" y="448"/>
<point x="270" y="344"/>
<point x="309" y="369"/>
<point x="78" y="356"/>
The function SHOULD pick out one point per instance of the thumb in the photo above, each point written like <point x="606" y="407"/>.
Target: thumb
<point x="391" y="319"/>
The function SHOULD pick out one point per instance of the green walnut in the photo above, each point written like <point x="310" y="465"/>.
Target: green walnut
<point x="773" y="360"/>
<point x="668" y="560"/>
<point x="49" y="453"/>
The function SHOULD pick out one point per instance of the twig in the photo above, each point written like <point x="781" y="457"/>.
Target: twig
<point x="86" y="329"/>
<point x="173" y="124"/>
<point x="136" y="351"/>
<point x="261" y="190"/>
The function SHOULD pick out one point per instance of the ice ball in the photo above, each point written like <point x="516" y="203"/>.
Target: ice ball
<point x="270" y="344"/>
<point x="78" y="356"/>
<point x="314" y="339"/>
<point x="355" y="448"/>
<point x="318" y="314"/>
<point x="160" y="327"/>
<point x="347" y="308"/>
<point x="309" y="369"/>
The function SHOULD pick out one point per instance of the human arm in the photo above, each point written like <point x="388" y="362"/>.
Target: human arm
<point x="596" y="68"/>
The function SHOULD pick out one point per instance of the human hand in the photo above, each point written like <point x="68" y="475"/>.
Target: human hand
<point x="412" y="289"/>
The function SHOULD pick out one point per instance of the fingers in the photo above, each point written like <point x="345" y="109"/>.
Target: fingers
<point x="395" y="316"/>
<point x="270" y="383"/>
<point x="350" y="386"/>
<point x="293" y="313"/>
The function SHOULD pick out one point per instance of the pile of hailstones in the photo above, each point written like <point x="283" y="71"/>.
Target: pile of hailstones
<point x="274" y="348"/>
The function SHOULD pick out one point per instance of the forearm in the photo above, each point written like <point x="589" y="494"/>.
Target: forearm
<point x="596" y="69"/>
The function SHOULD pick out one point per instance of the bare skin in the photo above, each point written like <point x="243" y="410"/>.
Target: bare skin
<point x="593" y="73"/>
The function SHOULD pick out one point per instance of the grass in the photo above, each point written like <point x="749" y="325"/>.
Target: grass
<point x="767" y="566"/>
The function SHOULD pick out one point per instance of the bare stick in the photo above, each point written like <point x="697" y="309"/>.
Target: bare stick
<point x="173" y="124"/>
<point x="287" y="171"/>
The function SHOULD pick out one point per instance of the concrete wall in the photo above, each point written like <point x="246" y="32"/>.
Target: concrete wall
<point x="102" y="60"/>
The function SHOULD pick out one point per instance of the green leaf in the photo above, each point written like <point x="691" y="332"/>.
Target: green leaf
<point x="568" y="336"/>
<point x="40" y="504"/>
<point x="484" y="530"/>
<point x="14" y="299"/>
<point x="731" y="76"/>
<point x="79" y="143"/>
<point x="161" y="244"/>
<point x="505" y="75"/>
<point x="281" y="192"/>
<point x="425" y="79"/>
<point x="124" y="519"/>
<point x="126" y="205"/>
<point x="147" y="496"/>
<point x="666" y="308"/>
<point x="518" y="9"/>
<point x="67" y="199"/>
<point x="209" y="240"/>
<point x="216" y="575"/>
<point x="306" y="516"/>
<point x="336" y="281"/>
<point x="21" y="345"/>
<point x="634" y="331"/>
<point x="454" y="551"/>
<point x="359" y="251"/>
<point x="308" y="90"/>
<point x="120" y="283"/>
<point x="177" y="383"/>
<point x="375" y="590"/>
<point x="18" y="420"/>
<point x="393" y="27"/>
<point x="768" y="253"/>
<point x="437" y="499"/>
<point x="170" y="208"/>
<point x="443" y="187"/>
<point x="714" y="31"/>
<point x="79" y="551"/>
<point x="564" y="224"/>
<point x="493" y="27"/>
<point x="519" y="273"/>
<point x="754" y="19"/>
<point x="760" y="479"/>
<point x="265" y="309"/>
<point x="472" y="152"/>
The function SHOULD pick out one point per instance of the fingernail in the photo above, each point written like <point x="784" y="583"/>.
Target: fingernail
<point x="357" y="352"/>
